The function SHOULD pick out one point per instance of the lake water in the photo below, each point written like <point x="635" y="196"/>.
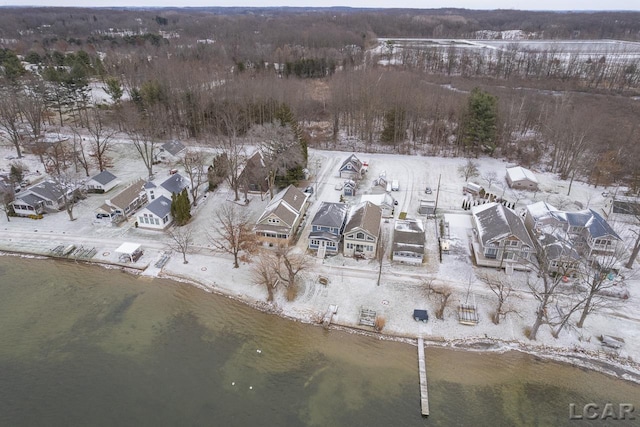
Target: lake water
<point x="86" y="346"/>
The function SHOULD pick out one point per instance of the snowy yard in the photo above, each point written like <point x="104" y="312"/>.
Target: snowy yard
<point x="353" y="284"/>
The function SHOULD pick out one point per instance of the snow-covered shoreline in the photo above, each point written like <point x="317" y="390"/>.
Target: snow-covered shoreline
<point x="611" y="366"/>
<point x="354" y="284"/>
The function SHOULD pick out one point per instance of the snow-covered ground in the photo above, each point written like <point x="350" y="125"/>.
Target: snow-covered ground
<point x="353" y="284"/>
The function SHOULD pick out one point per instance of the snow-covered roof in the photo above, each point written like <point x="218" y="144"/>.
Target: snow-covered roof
<point x="378" y="199"/>
<point x="104" y="177"/>
<point x="518" y="173"/>
<point x="47" y="190"/>
<point x="365" y="216"/>
<point x="355" y="163"/>
<point x="540" y="210"/>
<point x="286" y="205"/>
<point x="173" y="147"/>
<point x="175" y="183"/>
<point x="408" y="235"/>
<point x="495" y="222"/>
<point x="160" y="207"/>
<point x="128" y="248"/>
<point x="330" y="215"/>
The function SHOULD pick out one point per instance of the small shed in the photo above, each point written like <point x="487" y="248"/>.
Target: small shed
<point x="427" y="207"/>
<point x="521" y="178"/>
<point x="129" y="251"/>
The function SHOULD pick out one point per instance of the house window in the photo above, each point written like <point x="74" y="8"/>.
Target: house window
<point x="370" y="238"/>
<point x="360" y="236"/>
<point x="513" y="243"/>
<point x="273" y="221"/>
<point x="491" y="253"/>
<point x="152" y="195"/>
<point x="315" y="242"/>
<point x="349" y="245"/>
<point x="157" y="221"/>
<point x="165" y="219"/>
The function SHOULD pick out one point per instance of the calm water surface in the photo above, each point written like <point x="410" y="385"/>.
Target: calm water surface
<point x="85" y="346"/>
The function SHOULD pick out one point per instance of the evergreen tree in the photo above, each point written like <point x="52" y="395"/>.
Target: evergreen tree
<point x="479" y="126"/>
<point x="181" y="208"/>
<point x="395" y="126"/>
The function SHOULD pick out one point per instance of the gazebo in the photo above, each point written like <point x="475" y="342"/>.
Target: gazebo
<point x="129" y="251"/>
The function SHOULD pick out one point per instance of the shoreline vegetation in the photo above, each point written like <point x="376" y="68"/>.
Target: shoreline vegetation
<point x="610" y="365"/>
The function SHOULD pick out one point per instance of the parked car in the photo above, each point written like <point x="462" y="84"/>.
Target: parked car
<point x="309" y="190"/>
<point x="428" y="190"/>
<point x="339" y="186"/>
<point x="395" y="203"/>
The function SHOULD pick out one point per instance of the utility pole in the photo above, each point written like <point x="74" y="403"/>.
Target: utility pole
<point x="437" y="195"/>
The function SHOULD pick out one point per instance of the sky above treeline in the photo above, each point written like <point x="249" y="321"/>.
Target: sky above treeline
<point x="411" y="4"/>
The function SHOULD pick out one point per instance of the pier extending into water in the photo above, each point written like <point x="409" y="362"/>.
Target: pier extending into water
<point x="422" y="367"/>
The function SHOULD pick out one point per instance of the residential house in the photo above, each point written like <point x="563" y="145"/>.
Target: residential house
<point x="385" y="201"/>
<point x="28" y="204"/>
<point x="521" y="179"/>
<point x="170" y="186"/>
<point x="280" y="220"/>
<point x="408" y="241"/>
<point x="362" y="231"/>
<point x="46" y="196"/>
<point x="102" y="182"/>
<point x="500" y="237"/>
<point x="349" y="188"/>
<point x="156" y="215"/>
<point x="123" y="204"/>
<point x="351" y="168"/>
<point x="327" y="226"/>
<point x="170" y="151"/>
<point x="255" y="175"/>
<point x="589" y="233"/>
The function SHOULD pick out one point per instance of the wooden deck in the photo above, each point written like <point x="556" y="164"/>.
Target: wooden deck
<point x="422" y="367"/>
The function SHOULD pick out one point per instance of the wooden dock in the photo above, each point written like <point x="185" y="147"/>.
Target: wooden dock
<point x="326" y="321"/>
<point x="422" y="367"/>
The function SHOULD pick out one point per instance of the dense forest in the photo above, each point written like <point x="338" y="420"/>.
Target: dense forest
<point x="215" y="74"/>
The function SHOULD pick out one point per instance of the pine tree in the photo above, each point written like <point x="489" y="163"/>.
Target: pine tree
<point x="479" y="127"/>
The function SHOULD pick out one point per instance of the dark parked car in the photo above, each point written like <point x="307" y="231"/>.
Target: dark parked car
<point x="309" y="190"/>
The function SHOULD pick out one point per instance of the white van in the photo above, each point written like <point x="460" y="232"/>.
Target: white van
<point x="394" y="185"/>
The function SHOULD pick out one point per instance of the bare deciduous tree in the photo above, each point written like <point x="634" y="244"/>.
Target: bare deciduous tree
<point x="293" y="264"/>
<point x="490" y="177"/>
<point x="502" y="288"/>
<point x="10" y="117"/>
<point x="264" y="273"/>
<point x="144" y="140"/>
<point x="468" y="170"/>
<point x="232" y="232"/>
<point x="181" y="240"/>
<point x="195" y="166"/>
<point x="101" y="138"/>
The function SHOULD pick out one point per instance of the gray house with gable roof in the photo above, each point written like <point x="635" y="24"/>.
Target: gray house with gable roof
<point x="327" y="226"/>
<point x="170" y="186"/>
<point x="500" y="237"/>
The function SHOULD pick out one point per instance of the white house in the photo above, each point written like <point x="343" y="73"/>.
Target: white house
<point x="521" y="179"/>
<point x="156" y="215"/>
<point x="102" y="182"/>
